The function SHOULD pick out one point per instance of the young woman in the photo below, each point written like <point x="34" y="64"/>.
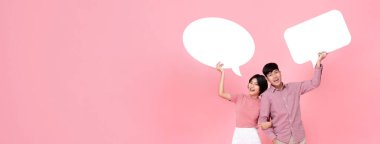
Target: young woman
<point x="247" y="108"/>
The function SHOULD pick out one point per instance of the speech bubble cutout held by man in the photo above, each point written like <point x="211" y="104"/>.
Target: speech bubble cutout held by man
<point x="326" y="32"/>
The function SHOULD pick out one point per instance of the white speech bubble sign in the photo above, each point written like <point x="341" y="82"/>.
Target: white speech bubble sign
<point x="326" y="32"/>
<point x="211" y="40"/>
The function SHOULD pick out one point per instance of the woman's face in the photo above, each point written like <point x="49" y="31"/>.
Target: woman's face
<point x="253" y="87"/>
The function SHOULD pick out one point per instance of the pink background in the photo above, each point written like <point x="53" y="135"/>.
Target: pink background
<point x="116" y="71"/>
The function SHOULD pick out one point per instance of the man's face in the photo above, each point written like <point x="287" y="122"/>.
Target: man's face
<point x="274" y="77"/>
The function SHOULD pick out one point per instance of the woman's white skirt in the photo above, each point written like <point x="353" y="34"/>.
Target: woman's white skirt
<point x="246" y="136"/>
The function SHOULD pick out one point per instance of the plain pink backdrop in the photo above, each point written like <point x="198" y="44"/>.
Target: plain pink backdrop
<point x="116" y="72"/>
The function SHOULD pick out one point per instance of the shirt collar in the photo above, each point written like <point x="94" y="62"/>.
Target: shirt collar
<point x="273" y="89"/>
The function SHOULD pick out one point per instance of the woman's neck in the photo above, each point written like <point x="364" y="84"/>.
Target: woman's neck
<point x="254" y="96"/>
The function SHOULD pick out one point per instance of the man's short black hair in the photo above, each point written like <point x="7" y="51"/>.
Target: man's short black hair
<point x="269" y="67"/>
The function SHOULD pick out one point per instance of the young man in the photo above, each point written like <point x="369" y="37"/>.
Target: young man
<point x="281" y="104"/>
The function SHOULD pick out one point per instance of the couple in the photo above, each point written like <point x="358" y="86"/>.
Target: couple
<point x="277" y="112"/>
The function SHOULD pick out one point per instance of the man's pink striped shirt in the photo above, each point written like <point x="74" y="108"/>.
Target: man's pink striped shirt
<point x="283" y="107"/>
